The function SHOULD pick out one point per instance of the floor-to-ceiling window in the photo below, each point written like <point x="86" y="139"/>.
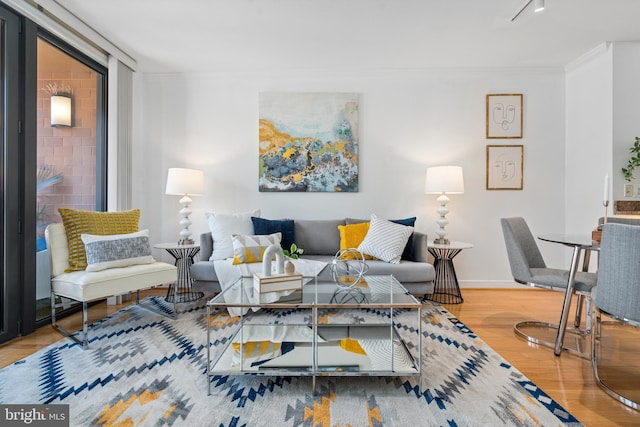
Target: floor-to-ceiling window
<point x="70" y="146"/>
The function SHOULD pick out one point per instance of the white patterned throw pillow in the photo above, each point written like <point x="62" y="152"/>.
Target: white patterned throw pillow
<point x="250" y="248"/>
<point x="385" y="240"/>
<point x="223" y="226"/>
<point x="117" y="250"/>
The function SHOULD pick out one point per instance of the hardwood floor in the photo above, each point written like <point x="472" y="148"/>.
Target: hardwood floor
<point x="490" y="313"/>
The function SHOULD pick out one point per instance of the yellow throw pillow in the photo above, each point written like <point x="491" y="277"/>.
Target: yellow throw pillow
<point x="78" y="222"/>
<point x="351" y="236"/>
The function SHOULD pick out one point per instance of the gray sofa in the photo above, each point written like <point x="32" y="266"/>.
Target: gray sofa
<point x="320" y="240"/>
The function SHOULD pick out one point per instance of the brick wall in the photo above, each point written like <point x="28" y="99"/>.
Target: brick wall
<point x="70" y="150"/>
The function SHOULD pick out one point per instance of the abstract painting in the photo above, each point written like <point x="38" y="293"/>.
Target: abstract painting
<point x="308" y="142"/>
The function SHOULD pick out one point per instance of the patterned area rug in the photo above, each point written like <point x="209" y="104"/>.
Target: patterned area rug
<point x="145" y="370"/>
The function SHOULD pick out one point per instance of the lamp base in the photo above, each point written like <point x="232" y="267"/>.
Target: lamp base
<point x="441" y="241"/>
<point x="187" y="241"/>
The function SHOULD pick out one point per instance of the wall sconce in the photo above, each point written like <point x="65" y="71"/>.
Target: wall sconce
<point x="60" y="111"/>
<point x="185" y="182"/>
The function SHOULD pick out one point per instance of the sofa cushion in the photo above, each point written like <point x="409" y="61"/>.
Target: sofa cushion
<point x="409" y="251"/>
<point x="78" y="222"/>
<point x="404" y="271"/>
<point x="117" y="250"/>
<point x="320" y="237"/>
<point x="222" y="226"/>
<point x="351" y="235"/>
<point x="269" y="226"/>
<point x="250" y="248"/>
<point x="385" y="240"/>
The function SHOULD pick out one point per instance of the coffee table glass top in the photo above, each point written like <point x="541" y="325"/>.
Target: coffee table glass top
<point x="374" y="290"/>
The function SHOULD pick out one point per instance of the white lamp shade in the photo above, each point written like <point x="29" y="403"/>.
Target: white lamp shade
<point x="60" y="110"/>
<point x="444" y="179"/>
<point x="182" y="181"/>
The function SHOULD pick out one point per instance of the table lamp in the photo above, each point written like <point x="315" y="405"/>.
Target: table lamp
<point x="443" y="180"/>
<point x="185" y="182"/>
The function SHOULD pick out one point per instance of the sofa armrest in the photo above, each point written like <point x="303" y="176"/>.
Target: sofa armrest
<point x="420" y="247"/>
<point x="206" y="246"/>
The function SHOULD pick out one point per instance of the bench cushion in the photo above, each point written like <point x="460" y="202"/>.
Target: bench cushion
<point x="87" y="286"/>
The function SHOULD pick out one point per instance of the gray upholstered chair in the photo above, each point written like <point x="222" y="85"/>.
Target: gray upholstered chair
<point x="619" y="220"/>
<point x="528" y="267"/>
<point x="617" y="294"/>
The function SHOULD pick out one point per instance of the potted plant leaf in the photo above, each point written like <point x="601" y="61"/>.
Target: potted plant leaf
<point x="293" y="252"/>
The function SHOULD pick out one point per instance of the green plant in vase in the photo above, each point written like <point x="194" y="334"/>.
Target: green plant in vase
<point x="293" y="252"/>
<point x="634" y="161"/>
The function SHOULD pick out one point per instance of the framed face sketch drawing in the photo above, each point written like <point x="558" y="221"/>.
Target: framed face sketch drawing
<point x="504" y="116"/>
<point x="504" y="167"/>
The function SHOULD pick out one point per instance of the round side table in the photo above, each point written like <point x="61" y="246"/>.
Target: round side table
<point x="180" y="291"/>
<point x="447" y="289"/>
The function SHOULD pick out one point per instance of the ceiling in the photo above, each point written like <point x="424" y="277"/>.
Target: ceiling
<point x="232" y="35"/>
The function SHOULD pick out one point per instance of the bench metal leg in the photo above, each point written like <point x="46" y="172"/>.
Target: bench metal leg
<point x="84" y="340"/>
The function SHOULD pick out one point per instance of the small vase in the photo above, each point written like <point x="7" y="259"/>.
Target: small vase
<point x="289" y="267"/>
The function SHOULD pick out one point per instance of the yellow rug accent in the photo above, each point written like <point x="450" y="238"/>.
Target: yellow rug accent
<point x="352" y="345"/>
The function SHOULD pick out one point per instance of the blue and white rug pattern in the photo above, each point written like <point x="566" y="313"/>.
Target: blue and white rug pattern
<point x="142" y="369"/>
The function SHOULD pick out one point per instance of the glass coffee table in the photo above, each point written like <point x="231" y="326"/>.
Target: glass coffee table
<point x="322" y="330"/>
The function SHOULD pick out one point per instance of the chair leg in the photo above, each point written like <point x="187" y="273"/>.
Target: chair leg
<point x="84" y="343"/>
<point x="595" y="351"/>
<point x="519" y="329"/>
<point x="578" y="319"/>
<point x="585" y="268"/>
<point x="53" y="309"/>
<point x="85" y="325"/>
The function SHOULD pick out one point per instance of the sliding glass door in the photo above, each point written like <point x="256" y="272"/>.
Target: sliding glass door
<point x="70" y="146"/>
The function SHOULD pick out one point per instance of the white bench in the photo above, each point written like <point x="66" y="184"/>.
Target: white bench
<point x="84" y="286"/>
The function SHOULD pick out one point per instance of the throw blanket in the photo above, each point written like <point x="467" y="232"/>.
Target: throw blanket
<point x="229" y="273"/>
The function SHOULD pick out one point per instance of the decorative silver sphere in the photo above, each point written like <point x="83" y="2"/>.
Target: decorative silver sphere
<point x="348" y="267"/>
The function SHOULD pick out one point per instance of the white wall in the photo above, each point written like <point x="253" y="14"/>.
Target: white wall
<point x="626" y="112"/>
<point x="603" y="90"/>
<point x="589" y="138"/>
<point x="409" y="120"/>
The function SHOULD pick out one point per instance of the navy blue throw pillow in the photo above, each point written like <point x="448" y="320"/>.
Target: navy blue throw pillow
<point x="408" y="252"/>
<point x="263" y="226"/>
